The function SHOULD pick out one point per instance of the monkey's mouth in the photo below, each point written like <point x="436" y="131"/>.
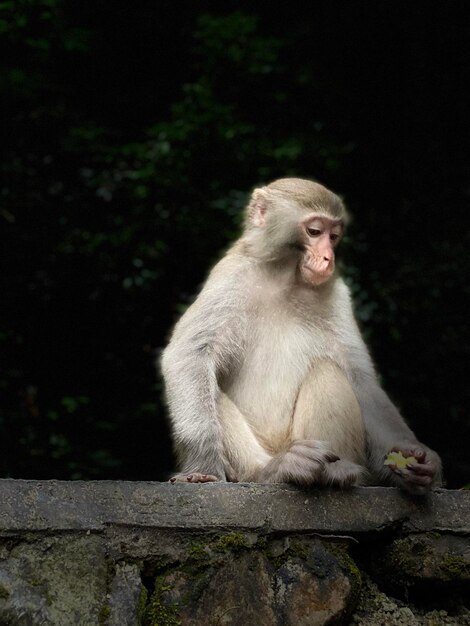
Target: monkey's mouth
<point x="317" y="273"/>
<point x="320" y="267"/>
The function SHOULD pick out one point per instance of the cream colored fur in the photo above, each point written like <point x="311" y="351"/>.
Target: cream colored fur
<point x="268" y="378"/>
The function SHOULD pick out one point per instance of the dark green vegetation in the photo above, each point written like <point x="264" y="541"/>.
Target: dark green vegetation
<point x="132" y="133"/>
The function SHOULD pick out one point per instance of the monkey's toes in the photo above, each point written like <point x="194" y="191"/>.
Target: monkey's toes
<point x="193" y="477"/>
<point x="343" y="474"/>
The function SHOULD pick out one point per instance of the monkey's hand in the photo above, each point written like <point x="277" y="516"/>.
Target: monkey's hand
<point x="193" y="477"/>
<point x="419" y="476"/>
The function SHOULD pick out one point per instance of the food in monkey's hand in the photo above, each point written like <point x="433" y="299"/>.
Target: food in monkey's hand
<point x="397" y="459"/>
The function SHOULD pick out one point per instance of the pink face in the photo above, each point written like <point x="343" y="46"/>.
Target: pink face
<point x="321" y="235"/>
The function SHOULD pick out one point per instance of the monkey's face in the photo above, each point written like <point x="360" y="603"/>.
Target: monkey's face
<point x="320" y="235"/>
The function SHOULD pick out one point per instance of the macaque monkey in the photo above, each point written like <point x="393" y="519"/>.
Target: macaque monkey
<point x="267" y="376"/>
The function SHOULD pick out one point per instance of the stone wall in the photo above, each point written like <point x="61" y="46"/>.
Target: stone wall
<point x="129" y="553"/>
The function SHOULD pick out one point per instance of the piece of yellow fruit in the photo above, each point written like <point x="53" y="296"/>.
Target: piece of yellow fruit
<point x="397" y="459"/>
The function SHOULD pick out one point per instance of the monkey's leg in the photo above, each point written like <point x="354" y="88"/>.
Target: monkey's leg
<point x="244" y="455"/>
<point x="248" y="460"/>
<point x="327" y="411"/>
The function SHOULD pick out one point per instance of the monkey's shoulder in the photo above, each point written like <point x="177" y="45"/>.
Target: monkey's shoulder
<point x="226" y="289"/>
<point x="232" y="275"/>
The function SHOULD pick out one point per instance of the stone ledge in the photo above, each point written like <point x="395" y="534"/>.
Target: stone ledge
<point x="29" y="505"/>
<point x="141" y="553"/>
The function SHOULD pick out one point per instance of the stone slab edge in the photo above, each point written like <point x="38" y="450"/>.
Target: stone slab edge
<point x="30" y="505"/>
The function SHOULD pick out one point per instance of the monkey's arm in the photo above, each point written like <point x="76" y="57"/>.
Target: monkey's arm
<point x="387" y="431"/>
<point x="385" y="427"/>
<point x="191" y="389"/>
<point x="206" y="342"/>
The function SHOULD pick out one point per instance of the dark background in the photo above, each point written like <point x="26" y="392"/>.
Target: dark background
<point x="132" y="133"/>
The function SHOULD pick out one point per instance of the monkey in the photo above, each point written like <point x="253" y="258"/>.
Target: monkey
<point x="267" y="376"/>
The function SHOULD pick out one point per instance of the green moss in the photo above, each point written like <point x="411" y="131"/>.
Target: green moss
<point x="349" y="566"/>
<point x="455" y="567"/>
<point x="142" y="604"/>
<point x="103" y="615"/>
<point x="261" y="544"/>
<point x="299" y="549"/>
<point x="233" y="542"/>
<point x="197" y="551"/>
<point x="276" y="561"/>
<point x="157" y="612"/>
<point x="408" y="557"/>
<point x="4" y="593"/>
<point x="198" y="559"/>
<point x="295" y="548"/>
<point x="402" y="562"/>
<point x="341" y="551"/>
<point x="433" y="535"/>
<point x="277" y="557"/>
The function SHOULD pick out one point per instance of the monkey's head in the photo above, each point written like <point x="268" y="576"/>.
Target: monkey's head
<point x="292" y="218"/>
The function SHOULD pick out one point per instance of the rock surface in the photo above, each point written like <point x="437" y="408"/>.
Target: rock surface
<point x="122" y="553"/>
<point x="95" y="505"/>
<point x="300" y="582"/>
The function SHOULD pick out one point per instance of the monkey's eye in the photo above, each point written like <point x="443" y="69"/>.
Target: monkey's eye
<point x="313" y="232"/>
<point x="334" y="237"/>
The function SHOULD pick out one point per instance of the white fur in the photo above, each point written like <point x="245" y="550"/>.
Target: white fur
<point x="262" y="360"/>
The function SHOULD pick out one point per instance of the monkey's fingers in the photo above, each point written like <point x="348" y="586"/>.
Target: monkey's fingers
<point x="417" y="481"/>
<point x="418" y="453"/>
<point x="193" y="477"/>
<point x="422" y="469"/>
<point x="411" y="479"/>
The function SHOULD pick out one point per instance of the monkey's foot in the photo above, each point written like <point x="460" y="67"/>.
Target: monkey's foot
<point x="343" y="474"/>
<point x="193" y="477"/>
<point x="303" y="464"/>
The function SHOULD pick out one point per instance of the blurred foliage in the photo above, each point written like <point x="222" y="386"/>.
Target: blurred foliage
<point x="133" y="139"/>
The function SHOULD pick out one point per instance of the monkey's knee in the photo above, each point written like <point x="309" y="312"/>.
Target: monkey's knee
<point x="244" y="456"/>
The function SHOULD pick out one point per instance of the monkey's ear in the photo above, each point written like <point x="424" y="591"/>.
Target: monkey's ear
<point x="256" y="210"/>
